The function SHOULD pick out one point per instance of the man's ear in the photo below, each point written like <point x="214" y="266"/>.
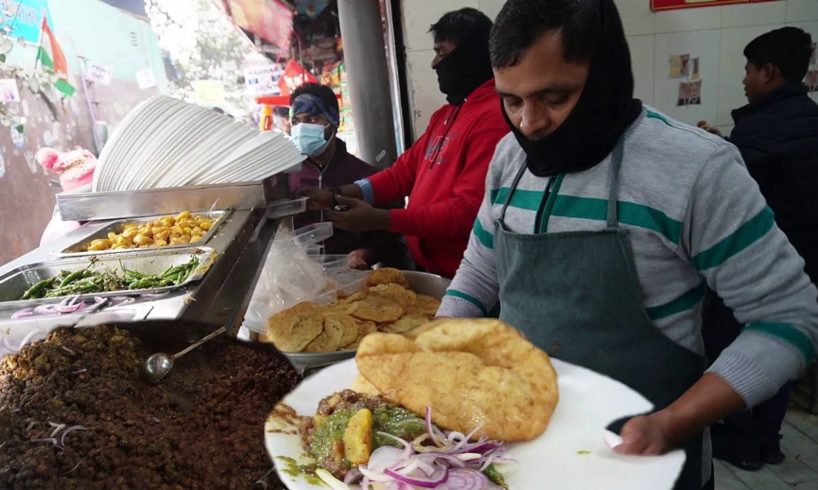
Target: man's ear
<point x="770" y="73"/>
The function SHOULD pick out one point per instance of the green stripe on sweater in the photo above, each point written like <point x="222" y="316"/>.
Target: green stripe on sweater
<point x="629" y="213"/>
<point x="656" y="115"/>
<point x="683" y="303"/>
<point x="522" y="199"/>
<point x="595" y="209"/>
<point x="485" y="237"/>
<point x="787" y="333"/>
<point x="746" y="235"/>
<point x="468" y="297"/>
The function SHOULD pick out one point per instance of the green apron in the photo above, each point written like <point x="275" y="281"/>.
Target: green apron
<point x="576" y="295"/>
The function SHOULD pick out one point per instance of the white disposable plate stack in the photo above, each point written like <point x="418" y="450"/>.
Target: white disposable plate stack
<point x="165" y="142"/>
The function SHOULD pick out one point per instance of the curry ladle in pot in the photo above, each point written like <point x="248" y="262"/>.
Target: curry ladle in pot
<point x="158" y="365"/>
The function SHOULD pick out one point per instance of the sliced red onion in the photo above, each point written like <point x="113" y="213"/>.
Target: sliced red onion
<point x="44" y="310"/>
<point x="61" y="308"/>
<point x="374" y="475"/>
<point x="385" y="457"/>
<point x="70" y="430"/>
<point x="438" y="478"/>
<point x="466" y="479"/>
<point x="24" y="313"/>
<point x="437" y="436"/>
<point x="352" y="477"/>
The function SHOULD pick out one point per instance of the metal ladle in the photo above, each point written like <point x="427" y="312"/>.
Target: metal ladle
<point x="158" y="365"/>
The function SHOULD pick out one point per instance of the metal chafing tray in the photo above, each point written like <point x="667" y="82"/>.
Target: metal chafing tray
<point x="14" y="283"/>
<point x="78" y="248"/>
<point x="150" y="202"/>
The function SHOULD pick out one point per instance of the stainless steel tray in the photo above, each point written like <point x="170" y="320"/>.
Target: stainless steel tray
<point x="149" y="202"/>
<point x="304" y="362"/>
<point x="16" y="282"/>
<point x="77" y="249"/>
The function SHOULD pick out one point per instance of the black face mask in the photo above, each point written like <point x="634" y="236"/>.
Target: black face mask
<point x="463" y="70"/>
<point x="603" y="112"/>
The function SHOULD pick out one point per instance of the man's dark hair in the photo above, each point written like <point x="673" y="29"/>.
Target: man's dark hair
<point x="321" y="91"/>
<point x="788" y="48"/>
<point x="521" y="23"/>
<point x="464" y="25"/>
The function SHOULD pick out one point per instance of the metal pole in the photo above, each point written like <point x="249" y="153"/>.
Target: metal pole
<point x="369" y="88"/>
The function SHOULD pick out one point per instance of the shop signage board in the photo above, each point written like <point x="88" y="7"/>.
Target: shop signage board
<point x="99" y="73"/>
<point x="658" y="5"/>
<point x="23" y="18"/>
<point x="262" y="80"/>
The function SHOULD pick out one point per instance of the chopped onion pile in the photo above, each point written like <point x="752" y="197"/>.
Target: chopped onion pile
<point x="433" y="460"/>
<point x="66" y="306"/>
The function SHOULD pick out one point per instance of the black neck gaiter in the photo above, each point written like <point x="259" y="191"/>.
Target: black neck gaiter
<point x="463" y="70"/>
<point x="603" y="113"/>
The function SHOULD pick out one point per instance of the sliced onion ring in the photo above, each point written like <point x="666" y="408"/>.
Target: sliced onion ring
<point x="438" y="479"/>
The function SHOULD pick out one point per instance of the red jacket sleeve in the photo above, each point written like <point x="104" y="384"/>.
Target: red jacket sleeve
<point x="397" y="181"/>
<point x="454" y="217"/>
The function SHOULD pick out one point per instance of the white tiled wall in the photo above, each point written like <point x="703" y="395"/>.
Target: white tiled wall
<point x="717" y="35"/>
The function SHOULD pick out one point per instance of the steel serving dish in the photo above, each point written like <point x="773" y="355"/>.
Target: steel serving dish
<point x="149" y="202"/>
<point x="420" y="282"/>
<point x="78" y="249"/>
<point x="155" y="261"/>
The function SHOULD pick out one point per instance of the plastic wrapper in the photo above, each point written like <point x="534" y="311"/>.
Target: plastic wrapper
<point x="289" y="276"/>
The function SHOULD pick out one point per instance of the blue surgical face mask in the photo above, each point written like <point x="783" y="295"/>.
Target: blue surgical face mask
<point x="309" y="138"/>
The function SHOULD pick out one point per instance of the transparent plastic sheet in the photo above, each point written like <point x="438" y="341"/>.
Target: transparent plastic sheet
<point x="288" y="277"/>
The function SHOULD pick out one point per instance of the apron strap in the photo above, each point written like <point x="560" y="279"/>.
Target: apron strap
<point x="511" y="192"/>
<point x="613" y="193"/>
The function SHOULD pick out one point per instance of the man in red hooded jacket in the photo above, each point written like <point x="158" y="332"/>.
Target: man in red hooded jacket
<point x="444" y="172"/>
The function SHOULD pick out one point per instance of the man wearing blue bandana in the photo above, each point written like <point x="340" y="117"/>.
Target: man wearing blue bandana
<point x="315" y="121"/>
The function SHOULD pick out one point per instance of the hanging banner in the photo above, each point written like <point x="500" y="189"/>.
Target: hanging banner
<point x="294" y="76"/>
<point x="23" y="18"/>
<point x="657" y="5"/>
<point x="270" y="20"/>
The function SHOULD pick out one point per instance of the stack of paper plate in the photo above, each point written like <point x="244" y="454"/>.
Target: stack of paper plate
<point x="164" y="142"/>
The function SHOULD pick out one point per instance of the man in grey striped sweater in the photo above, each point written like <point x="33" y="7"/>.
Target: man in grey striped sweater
<point x="603" y="224"/>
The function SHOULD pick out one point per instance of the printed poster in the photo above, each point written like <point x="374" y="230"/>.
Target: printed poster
<point x="145" y="78"/>
<point x="9" y="91"/>
<point x="690" y="93"/>
<point x="679" y="66"/>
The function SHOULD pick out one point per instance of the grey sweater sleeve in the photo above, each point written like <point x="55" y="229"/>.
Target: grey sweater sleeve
<point x="474" y="289"/>
<point x="731" y="238"/>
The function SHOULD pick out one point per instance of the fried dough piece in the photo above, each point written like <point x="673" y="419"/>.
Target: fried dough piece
<point x="387" y="275"/>
<point x="378" y="309"/>
<point x="405" y="323"/>
<point x="330" y="338"/>
<point x="291" y="330"/>
<point x="364" y="328"/>
<point x="426" y="304"/>
<point x="471" y="372"/>
<point x="398" y="294"/>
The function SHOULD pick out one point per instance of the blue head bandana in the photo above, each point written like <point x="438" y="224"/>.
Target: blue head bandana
<point x="315" y="106"/>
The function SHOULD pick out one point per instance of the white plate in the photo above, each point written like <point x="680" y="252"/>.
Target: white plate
<point x="556" y="459"/>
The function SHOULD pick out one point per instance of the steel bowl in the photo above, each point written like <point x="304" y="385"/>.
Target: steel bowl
<point x="428" y="284"/>
<point x="420" y="282"/>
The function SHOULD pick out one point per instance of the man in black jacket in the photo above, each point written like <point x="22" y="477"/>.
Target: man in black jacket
<point x="777" y="134"/>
